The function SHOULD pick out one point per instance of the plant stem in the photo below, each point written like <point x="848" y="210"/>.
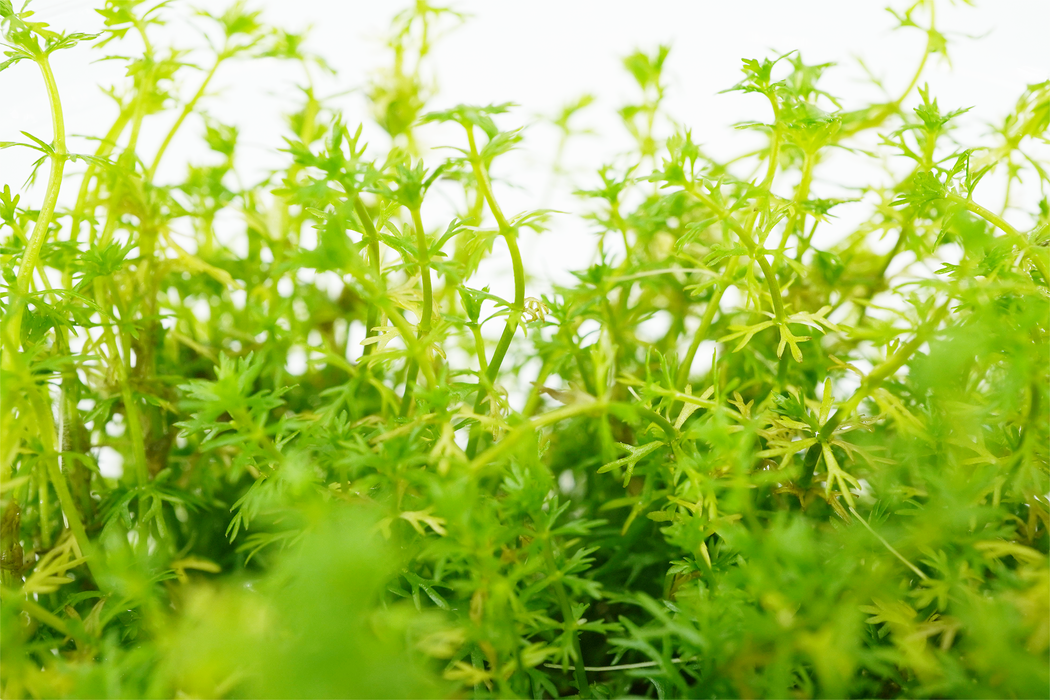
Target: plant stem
<point x="1001" y="224"/>
<point x="867" y="385"/>
<point x="425" y="314"/>
<point x="38" y="401"/>
<point x="705" y="324"/>
<point x="185" y="113"/>
<point x="882" y="372"/>
<point x="38" y="398"/>
<point x="106" y="146"/>
<point x="568" y="619"/>
<point x="888" y="546"/>
<point x="892" y="107"/>
<point x="558" y="414"/>
<point x="423" y="253"/>
<point x="798" y="220"/>
<point x="374" y="259"/>
<point x="54" y="180"/>
<point x="513" y="318"/>
<point x="407" y="333"/>
<point x="749" y="243"/>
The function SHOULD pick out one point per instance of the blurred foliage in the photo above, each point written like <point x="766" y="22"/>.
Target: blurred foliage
<point x="849" y="500"/>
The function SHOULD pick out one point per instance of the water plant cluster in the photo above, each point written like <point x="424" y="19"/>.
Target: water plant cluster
<point x="824" y="474"/>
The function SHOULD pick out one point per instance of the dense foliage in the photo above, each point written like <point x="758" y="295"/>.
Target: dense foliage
<point x="533" y="496"/>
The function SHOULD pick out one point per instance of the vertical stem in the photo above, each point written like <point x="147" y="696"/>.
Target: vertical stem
<point x="44" y="501"/>
<point x="568" y="619"/>
<point x="38" y="401"/>
<point x="426" y="313"/>
<point x="54" y="181"/>
<point x="423" y="255"/>
<point x="38" y="398"/>
<point x="798" y="220"/>
<point x="372" y="317"/>
<point x="510" y="236"/>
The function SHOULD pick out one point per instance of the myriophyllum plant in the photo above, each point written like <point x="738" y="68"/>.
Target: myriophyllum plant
<point x="752" y="450"/>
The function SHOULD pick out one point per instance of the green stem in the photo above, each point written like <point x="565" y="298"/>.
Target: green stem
<point x="555" y="416"/>
<point x="44" y="501"/>
<point x="749" y="243"/>
<point x="894" y="106"/>
<point x="381" y="302"/>
<point x="46" y="432"/>
<point x="1001" y="224"/>
<point x="883" y="372"/>
<point x="705" y="324"/>
<point x="479" y="347"/>
<point x="122" y="361"/>
<point x="108" y="143"/>
<point x="54" y="181"/>
<point x="798" y="221"/>
<point x="374" y="259"/>
<point x="888" y="546"/>
<point x="37" y="397"/>
<point x="925" y="56"/>
<point x="41" y="613"/>
<point x="533" y="400"/>
<point x="186" y="111"/>
<point x="581" y="408"/>
<point x="379" y="298"/>
<point x="774" y="145"/>
<point x="867" y="386"/>
<point x="410" y="382"/>
<point x="423" y="253"/>
<point x="568" y="619"/>
<point x="138" y="442"/>
<point x="426" y="313"/>
<point x="514" y="317"/>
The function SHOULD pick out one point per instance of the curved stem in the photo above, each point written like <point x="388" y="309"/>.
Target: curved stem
<point x="883" y="372"/>
<point x="515" y="314"/>
<point x="109" y="142"/>
<point x="749" y="243"/>
<point x="182" y="116"/>
<point x="1001" y="224"/>
<point x="892" y="107"/>
<point x="38" y="398"/>
<point x="925" y="55"/>
<point x="774" y="145"/>
<point x="54" y="180"/>
<point x="514" y="317"/>
<point x="404" y="328"/>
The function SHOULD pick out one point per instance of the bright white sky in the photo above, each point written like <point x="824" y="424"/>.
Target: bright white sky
<point x="543" y="53"/>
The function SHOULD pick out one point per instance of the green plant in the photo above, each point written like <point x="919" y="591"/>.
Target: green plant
<point x="851" y="500"/>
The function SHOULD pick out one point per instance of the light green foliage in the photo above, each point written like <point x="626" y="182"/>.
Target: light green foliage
<point x="850" y="501"/>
